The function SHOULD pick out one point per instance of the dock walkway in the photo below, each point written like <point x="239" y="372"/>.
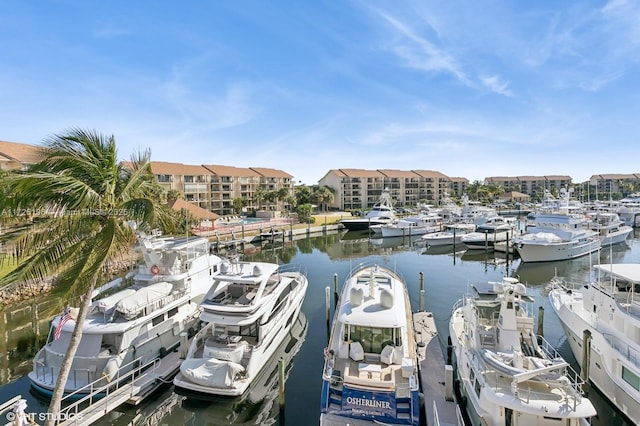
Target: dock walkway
<point x="436" y="378"/>
<point x="131" y="392"/>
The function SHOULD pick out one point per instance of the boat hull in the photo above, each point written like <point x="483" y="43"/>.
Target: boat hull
<point x="540" y="252"/>
<point x="604" y="362"/>
<point x="361" y="224"/>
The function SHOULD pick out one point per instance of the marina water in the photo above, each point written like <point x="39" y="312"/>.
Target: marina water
<point x="446" y="276"/>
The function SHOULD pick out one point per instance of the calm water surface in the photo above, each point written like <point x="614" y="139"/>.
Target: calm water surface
<point x="446" y="276"/>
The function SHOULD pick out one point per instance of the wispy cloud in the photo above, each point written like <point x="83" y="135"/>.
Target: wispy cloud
<point x="493" y="83"/>
<point x="420" y="53"/>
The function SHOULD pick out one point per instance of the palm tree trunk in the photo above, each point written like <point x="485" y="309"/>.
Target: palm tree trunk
<point x="65" y="367"/>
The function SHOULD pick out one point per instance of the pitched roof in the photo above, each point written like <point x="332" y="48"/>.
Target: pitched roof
<point x="20" y="152"/>
<point x="195" y="211"/>
<point x="514" y="194"/>
<point x="266" y="172"/>
<point x="218" y="170"/>
<point x="431" y="173"/>
<point x="179" y="169"/>
<point x="354" y="173"/>
<point x="398" y="173"/>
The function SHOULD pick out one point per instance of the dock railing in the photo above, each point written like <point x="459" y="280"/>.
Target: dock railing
<point x="98" y="393"/>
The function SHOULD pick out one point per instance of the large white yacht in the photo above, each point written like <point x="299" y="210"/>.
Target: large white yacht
<point x="495" y="229"/>
<point x="506" y="374"/>
<point x="602" y="323"/>
<point x="370" y="373"/>
<point x="136" y="324"/>
<point x="559" y="230"/>
<point x="248" y="312"/>
<point x="629" y="210"/>
<point x="410" y="226"/>
<point x="609" y="227"/>
<point x="556" y="236"/>
<point x="382" y="212"/>
<point x="452" y="235"/>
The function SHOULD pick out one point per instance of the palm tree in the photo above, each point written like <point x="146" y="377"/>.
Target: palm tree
<point x="258" y="197"/>
<point x="93" y="197"/>
<point x="323" y="196"/>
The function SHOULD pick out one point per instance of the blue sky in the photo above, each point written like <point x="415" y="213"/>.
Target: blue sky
<point x="468" y="88"/>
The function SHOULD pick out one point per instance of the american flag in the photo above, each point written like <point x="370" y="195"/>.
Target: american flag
<point x="65" y="317"/>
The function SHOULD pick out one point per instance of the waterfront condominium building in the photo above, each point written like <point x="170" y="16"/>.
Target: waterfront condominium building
<point x="215" y="187"/>
<point x="360" y="188"/>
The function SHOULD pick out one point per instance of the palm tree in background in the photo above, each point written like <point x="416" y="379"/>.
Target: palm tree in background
<point x="91" y="199"/>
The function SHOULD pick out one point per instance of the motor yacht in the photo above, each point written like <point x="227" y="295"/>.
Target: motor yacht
<point x="247" y="313"/>
<point x="506" y="374"/>
<point x="132" y="320"/>
<point x="601" y="319"/>
<point x="370" y="373"/>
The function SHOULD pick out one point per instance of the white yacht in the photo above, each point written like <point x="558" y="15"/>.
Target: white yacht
<point x="370" y="373"/>
<point x="475" y="212"/>
<point x="609" y="227"/>
<point x="602" y="322"/>
<point x="493" y="230"/>
<point x="556" y="236"/>
<point x="450" y="236"/>
<point x="138" y="323"/>
<point x="382" y="212"/>
<point x="248" y="312"/>
<point x="410" y="226"/>
<point x="629" y="210"/>
<point x="259" y="404"/>
<point x="506" y="375"/>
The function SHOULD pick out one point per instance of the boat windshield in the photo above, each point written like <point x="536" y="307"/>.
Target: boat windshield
<point x="373" y="339"/>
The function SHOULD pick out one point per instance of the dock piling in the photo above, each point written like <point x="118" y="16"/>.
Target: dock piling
<point x="540" y="332"/>
<point x="586" y="360"/>
<point x="281" y="380"/>
<point x="421" y="291"/>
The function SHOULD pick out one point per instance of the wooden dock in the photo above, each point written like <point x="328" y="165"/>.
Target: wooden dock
<point x="436" y="378"/>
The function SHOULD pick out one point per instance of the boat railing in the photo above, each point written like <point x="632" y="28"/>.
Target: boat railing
<point x="547" y="348"/>
<point x="562" y="283"/>
<point x="630" y="353"/>
<point x="7" y="409"/>
<point x="459" y="304"/>
<point x="98" y="391"/>
<point x="552" y="353"/>
<point x="567" y="379"/>
<point x="293" y="268"/>
<point x="394" y="272"/>
<point x="568" y="384"/>
<point x="47" y="364"/>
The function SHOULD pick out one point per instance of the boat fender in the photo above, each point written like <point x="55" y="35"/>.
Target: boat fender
<point x="110" y="369"/>
<point x="163" y="352"/>
<point x="191" y="332"/>
<point x="463" y="401"/>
